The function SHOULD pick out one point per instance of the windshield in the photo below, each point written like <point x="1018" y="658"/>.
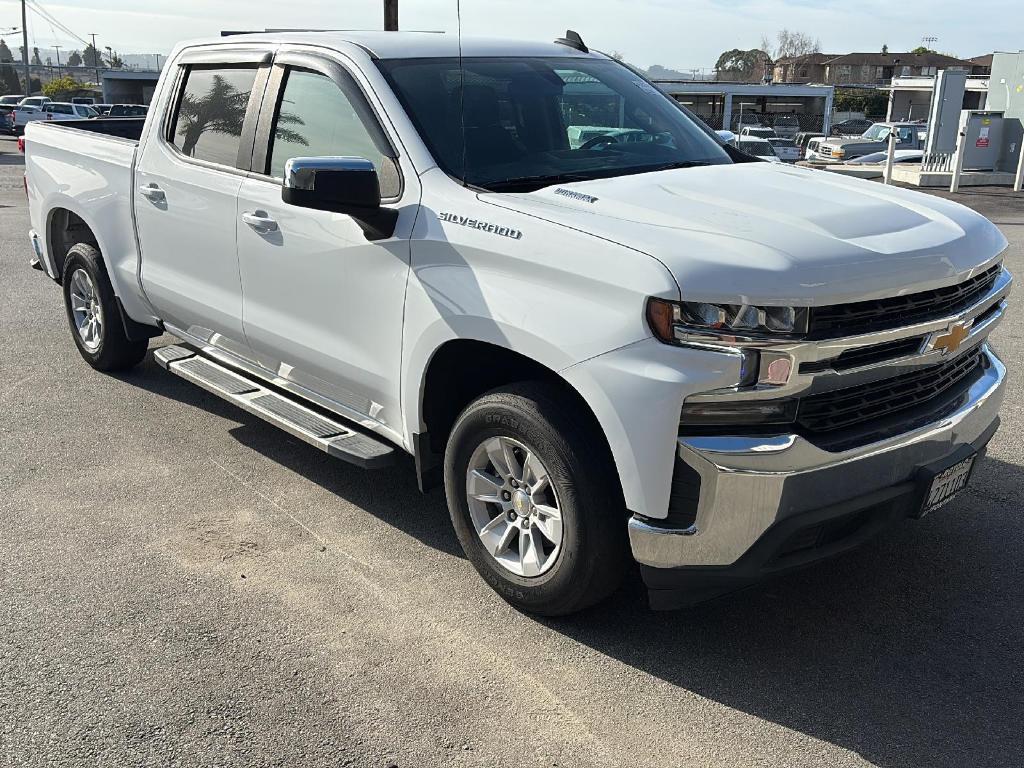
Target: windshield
<point x="531" y="122"/>
<point x="876" y="132"/>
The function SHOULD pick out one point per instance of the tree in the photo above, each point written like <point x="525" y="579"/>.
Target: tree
<point x="9" y="81"/>
<point x="75" y="59"/>
<point x="222" y="110"/>
<point x="922" y="49"/>
<point x="91" y="57"/>
<point x="36" y="61"/>
<point x="885" y="49"/>
<point x="62" y="88"/>
<point x="788" y="44"/>
<point x="115" y="61"/>
<point x="739" y="65"/>
<point x="5" y="52"/>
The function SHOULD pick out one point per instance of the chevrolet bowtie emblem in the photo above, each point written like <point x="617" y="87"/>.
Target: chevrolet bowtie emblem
<point x="950" y="342"/>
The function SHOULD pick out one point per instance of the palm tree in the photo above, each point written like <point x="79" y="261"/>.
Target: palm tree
<point x="222" y="110"/>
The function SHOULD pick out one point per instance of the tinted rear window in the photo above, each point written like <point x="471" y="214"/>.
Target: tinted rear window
<point x="211" y="111"/>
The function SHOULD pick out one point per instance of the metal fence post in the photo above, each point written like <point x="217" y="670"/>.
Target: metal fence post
<point x="890" y="155"/>
<point x="958" y="162"/>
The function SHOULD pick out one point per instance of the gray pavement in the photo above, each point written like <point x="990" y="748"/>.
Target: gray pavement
<point x="181" y="584"/>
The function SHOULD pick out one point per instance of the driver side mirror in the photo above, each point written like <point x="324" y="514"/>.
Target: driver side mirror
<point x="346" y="185"/>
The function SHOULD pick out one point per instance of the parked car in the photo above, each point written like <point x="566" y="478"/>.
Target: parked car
<point x="874" y="139"/>
<point x="803" y="138"/>
<point x="758" y="147"/>
<point x="852" y="127"/>
<point x="34" y="101"/>
<point x="757" y="131"/>
<point x="746" y="119"/>
<point x="102" y="108"/>
<point x="786" y="125"/>
<point x="53" y="110"/>
<point x="6" y="122"/>
<point x="786" y="149"/>
<point x="899" y="156"/>
<point x="664" y="343"/>
<point x="11" y="99"/>
<point x="127" y="110"/>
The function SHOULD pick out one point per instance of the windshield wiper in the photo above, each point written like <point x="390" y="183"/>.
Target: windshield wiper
<point x="532" y="183"/>
<point x="676" y="164"/>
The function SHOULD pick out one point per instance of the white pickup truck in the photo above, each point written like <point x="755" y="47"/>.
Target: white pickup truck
<point x="385" y="243"/>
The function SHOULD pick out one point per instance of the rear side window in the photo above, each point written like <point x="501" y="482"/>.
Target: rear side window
<point x="211" y="111"/>
<point x="315" y="118"/>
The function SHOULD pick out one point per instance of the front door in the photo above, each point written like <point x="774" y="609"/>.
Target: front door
<point x="187" y="182"/>
<point x="323" y="305"/>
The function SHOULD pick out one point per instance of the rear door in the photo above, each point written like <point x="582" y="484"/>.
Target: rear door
<point x="323" y="304"/>
<point x="187" y="182"/>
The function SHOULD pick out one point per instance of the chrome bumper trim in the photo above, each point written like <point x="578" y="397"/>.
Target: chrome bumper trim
<point x="749" y="483"/>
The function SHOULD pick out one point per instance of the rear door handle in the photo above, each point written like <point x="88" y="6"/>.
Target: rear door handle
<point x="260" y="221"/>
<point x="153" y="193"/>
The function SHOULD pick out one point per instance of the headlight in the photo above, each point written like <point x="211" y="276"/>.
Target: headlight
<point x="671" y="320"/>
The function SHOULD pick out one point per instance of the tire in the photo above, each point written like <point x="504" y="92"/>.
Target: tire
<point x="590" y="559"/>
<point x="90" y="302"/>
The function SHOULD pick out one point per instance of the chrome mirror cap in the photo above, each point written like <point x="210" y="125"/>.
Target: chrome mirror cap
<point x="300" y="172"/>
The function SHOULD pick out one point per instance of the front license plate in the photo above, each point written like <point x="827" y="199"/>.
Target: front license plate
<point x="947" y="484"/>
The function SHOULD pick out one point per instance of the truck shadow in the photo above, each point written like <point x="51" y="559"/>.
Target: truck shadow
<point x="907" y="651"/>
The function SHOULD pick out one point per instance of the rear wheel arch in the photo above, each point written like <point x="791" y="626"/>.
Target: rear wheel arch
<point x="64" y="229"/>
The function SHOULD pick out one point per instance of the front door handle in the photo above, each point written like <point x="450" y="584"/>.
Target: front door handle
<point x="153" y="193"/>
<point x="260" y="221"/>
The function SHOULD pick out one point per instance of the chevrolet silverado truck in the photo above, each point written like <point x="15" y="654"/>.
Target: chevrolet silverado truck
<point x="838" y="149"/>
<point x="389" y="243"/>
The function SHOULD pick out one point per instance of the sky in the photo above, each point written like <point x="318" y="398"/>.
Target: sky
<point x="679" y="35"/>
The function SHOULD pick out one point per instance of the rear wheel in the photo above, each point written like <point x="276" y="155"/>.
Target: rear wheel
<point x="93" y="314"/>
<point x="536" y="508"/>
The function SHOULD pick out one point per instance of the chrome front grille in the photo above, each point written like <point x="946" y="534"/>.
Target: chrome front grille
<point x="880" y="314"/>
<point x="844" y="408"/>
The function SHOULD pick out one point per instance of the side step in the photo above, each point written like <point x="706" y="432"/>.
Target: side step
<point x="324" y="433"/>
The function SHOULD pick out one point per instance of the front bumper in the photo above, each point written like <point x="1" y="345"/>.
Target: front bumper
<point x="752" y="487"/>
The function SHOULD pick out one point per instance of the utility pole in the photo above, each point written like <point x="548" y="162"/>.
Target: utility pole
<point x="57" y="48"/>
<point x="24" y="49"/>
<point x="390" y="15"/>
<point x="95" y="58"/>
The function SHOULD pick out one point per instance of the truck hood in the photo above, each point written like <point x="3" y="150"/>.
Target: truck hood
<point x="774" y="234"/>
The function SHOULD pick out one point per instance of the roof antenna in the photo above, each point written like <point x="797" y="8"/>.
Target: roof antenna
<point x="573" y="40"/>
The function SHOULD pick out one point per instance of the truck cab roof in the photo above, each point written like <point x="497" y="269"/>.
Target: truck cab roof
<point x="404" y="45"/>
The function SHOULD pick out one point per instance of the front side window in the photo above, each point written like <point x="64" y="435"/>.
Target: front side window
<point x="315" y="118"/>
<point x="517" y="124"/>
<point x="211" y="111"/>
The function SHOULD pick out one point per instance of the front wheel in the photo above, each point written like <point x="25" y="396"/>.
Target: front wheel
<point x="536" y="506"/>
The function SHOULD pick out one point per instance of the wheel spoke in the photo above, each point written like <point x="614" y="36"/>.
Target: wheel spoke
<point x="484" y="487"/>
<point x="514" y="468"/>
<point x="550" y="527"/>
<point x="530" y="552"/>
<point x="504" y="538"/>
<point x="496" y="455"/>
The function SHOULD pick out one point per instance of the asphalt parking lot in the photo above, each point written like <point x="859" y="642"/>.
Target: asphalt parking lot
<point x="182" y="584"/>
